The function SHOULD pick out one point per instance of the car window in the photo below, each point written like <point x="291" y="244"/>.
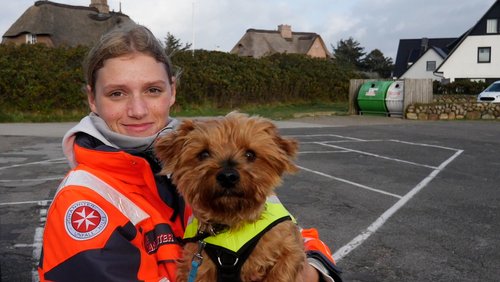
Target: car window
<point x="494" y="88"/>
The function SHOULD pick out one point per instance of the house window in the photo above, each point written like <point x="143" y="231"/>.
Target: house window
<point x="492" y="26"/>
<point x="484" y="54"/>
<point x="431" y="66"/>
<point x="30" y="38"/>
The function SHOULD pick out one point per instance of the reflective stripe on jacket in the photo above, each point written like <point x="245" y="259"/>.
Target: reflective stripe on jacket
<point x="83" y="178"/>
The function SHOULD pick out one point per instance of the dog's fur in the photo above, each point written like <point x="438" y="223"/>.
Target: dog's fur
<point x="198" y="152"/>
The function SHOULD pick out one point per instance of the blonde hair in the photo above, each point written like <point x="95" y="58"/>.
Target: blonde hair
<point x="121" y="41"/>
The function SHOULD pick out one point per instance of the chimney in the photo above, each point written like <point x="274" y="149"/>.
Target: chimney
<point x="285" y="31"/>
<point x="424" y="45"/>
<point x="100" y="5"/>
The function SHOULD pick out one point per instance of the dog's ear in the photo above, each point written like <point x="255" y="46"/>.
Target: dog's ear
<point x="290" y="147"/>
<point x="168" y="147"/>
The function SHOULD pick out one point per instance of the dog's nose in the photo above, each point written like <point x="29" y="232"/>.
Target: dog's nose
<point x="227" y="178"/>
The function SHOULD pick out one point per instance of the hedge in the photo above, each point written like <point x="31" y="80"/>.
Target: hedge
<point x="226" y="80"/>
<point x="462" y="86"/>
<point x="36" y="78"/>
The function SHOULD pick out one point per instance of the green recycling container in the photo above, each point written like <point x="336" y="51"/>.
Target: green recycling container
<point x="371" y="97"/>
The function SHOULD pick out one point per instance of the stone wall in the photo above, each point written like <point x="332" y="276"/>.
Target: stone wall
<point x="453" y="107"/>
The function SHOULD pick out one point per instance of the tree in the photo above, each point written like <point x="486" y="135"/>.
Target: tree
<point x="174" y="45"/>
<point x="349" y="53"/>
<point x="376" y="62"/>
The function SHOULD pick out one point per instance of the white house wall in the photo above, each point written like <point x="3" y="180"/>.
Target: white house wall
<point x="419" y="69"/>
<point x="463" y="62"/>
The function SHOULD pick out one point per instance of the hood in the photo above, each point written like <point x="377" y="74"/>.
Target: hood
<point x="86" y="125"/>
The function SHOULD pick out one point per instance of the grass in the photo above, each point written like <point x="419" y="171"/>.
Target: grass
<point x="275" y="112"/>
<point x="56" y="116"/>
<point x="283" y="112"/>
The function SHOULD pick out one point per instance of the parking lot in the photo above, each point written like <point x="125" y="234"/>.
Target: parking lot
<point x="395" y="200"/>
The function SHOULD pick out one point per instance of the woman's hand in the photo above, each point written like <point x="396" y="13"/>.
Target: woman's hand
<point x="309" y="274"/>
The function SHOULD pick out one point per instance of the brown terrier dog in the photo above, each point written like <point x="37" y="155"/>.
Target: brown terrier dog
<point x="227" y="169"/>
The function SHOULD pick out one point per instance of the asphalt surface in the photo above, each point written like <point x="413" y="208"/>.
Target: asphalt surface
<point x="396" y="200"/>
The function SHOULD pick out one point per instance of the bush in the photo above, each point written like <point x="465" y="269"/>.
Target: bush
<point x="36" y="78"/>
<point x="227" y="80"/>
<point x="463" y="86"/>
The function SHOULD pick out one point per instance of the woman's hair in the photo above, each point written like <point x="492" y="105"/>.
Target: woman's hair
<point x="121" y="41"/>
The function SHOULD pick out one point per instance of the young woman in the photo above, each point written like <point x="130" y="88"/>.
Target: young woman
<point x="113" y="218"/>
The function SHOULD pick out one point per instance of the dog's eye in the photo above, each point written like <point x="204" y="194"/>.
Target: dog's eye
<point x="203" y="155"/>
<point x="250" y="155"/>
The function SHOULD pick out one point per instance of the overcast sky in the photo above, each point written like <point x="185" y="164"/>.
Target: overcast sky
<point x="219" y="24"/>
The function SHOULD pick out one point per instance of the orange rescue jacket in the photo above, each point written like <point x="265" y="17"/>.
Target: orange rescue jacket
<point x="107" y="222"/>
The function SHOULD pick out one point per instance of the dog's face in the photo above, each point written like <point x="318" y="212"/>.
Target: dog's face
<point x="225" y="168"/>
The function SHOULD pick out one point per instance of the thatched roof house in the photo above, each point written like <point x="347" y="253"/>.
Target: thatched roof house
<point x="58" y="24"/>
<point x="257" y="43"/>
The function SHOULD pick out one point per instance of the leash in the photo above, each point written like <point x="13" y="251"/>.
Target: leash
<point x="196" y="261"/>
<point x="198" y="257"/>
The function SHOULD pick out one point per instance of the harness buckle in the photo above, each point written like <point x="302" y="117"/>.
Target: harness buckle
<point x="198" y="256"/>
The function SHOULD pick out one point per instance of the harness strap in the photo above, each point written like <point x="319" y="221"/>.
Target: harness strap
<point x="203" y="234"/>
<point x="228" y="262"/>
<point x="199" y="237"/>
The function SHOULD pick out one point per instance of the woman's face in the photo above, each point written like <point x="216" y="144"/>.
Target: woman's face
<point x="132" y="95"/>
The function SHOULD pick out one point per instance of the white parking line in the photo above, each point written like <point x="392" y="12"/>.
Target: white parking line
<point x="323" y="152"/>
<point x="39" y="202"/>
<point x="381" y="220"/>
<point x="325" y="135"/>
<point x="423" y="145"/>
<point x="37" y="244"/>
<point x="351" y="183"/>
<point x="60" y="160"/>
<point x="32" y="179"/>
<point x="358" y="240"/>
<point x="376" y="155"/>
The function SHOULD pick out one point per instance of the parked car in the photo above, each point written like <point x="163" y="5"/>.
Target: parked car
<point x="490" y="94"/>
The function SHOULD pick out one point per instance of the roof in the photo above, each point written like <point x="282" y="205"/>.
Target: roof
<point x="478" y="29"/>
<point x="65" y="24"/>
<point x="493" y="13"/>
<point x="258" y="43"/>
<point x="437" y="50"/>
<point x="410" y="50"/>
